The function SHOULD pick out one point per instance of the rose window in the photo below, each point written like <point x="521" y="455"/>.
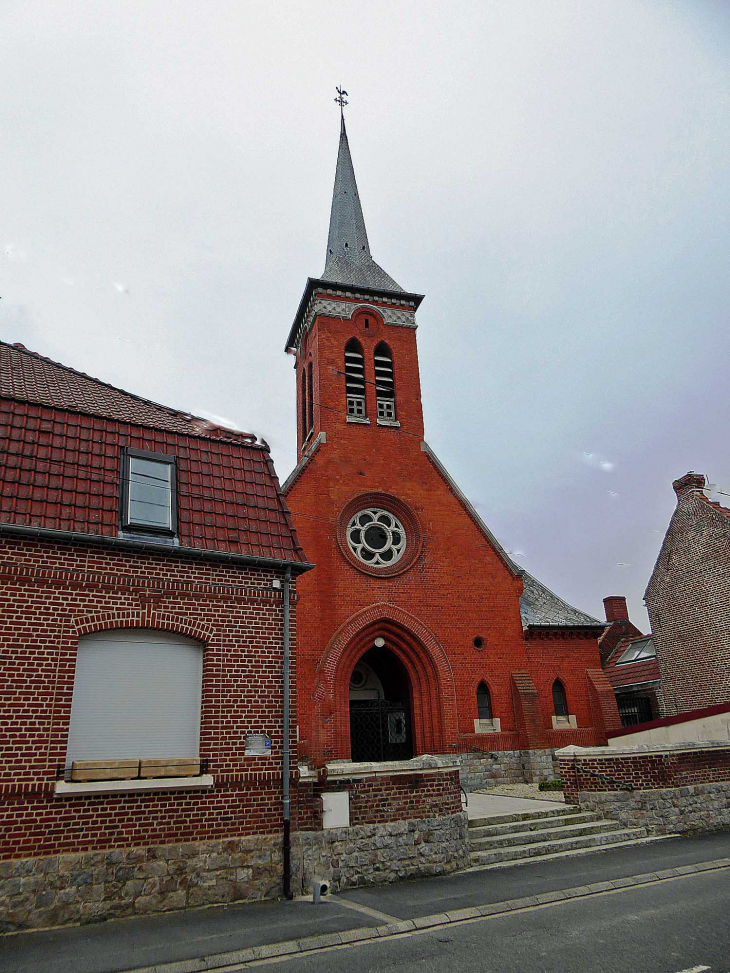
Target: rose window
<point x="376" y="537"/>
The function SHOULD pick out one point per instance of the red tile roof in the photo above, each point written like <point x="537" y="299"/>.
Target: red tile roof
<point x="61" y="437"/>
<point x="630" y="673"/>
<point x="27" y="376"/>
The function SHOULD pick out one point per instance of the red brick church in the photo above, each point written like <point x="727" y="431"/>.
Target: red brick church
<point x="416" y="632"/>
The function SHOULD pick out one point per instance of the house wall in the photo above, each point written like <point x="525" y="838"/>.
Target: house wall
<point x="688" y="601"/>
<point x="50" y="595"/>
<point x="700" y="726"/>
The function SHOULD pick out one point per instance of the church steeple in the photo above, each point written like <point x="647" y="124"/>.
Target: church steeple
<point x="348" y="252"/>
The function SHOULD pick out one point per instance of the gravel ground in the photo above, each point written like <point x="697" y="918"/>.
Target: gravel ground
<point x="523" y="790"/>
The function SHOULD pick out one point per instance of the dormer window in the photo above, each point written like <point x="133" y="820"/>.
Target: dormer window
<point x="384" y="383"/>
<point x="149" y="492"/>
<point x="355" y="379"/>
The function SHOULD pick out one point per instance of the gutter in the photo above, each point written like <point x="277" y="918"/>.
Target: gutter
<point x="286" y="750"/>
<point x="147" y="547"/>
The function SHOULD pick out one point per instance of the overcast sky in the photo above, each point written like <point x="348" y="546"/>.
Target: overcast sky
<point x="552" y="175"/>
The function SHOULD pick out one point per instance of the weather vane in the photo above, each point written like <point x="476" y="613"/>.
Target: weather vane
<point x="341" y="101"/>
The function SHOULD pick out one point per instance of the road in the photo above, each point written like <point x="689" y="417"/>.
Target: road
<point x="663" y="928"/>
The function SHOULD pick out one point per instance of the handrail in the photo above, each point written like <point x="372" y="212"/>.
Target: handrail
<point x="596" y="773"/>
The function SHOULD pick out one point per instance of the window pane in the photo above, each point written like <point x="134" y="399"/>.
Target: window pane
<point x="150" y="492"/>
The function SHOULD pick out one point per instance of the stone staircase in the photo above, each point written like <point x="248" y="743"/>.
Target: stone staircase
<point x="508" y="838"/>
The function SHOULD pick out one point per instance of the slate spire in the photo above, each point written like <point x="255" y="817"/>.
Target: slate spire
<point x="348" y="251"/>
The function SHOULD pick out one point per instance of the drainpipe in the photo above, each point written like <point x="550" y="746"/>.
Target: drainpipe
<point x="286" y="754"/>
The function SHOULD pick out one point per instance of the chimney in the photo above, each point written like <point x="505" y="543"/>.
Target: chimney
<point x="616" y="610"/>
<point x="689" y="483"/>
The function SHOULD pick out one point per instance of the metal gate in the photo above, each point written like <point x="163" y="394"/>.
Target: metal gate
<point x="380" y="730"/>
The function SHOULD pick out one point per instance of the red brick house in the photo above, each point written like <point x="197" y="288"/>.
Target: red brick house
<point x="419" y="634"/>
<point x="688" y="600"/>
<point x="629" y="662"/>
<point x="146" y="557"/>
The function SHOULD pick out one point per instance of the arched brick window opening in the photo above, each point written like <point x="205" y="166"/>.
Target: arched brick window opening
<point x="560" y="703"/>
<point x="384" y="383"/>
<point x="484" y="702"/>
<point x="355" y="379"/>
<point x="305" y="425"/>
<point x="310" y="399"/>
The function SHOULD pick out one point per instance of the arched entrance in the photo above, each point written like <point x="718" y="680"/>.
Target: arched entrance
<point x="381" y="726"/>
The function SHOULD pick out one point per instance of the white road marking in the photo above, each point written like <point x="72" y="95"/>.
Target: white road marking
<point x="694" y="969"/>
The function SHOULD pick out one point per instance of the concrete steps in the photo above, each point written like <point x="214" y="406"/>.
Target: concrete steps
<point x="516" y="837"/>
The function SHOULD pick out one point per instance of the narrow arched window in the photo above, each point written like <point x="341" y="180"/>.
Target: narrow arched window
<point x="384" y="383"/>
<point x="560" y="703"/>
<point x="305" y="425"/>
<point x="355" y="379"/>
<point x="484" y="702"/>
<point x="310" y="400"/>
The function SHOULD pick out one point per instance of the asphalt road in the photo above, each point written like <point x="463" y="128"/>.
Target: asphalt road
<point x="662" y="928"/>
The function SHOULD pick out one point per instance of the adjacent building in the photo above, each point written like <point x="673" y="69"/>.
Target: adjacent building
<point x="146" y="558"/>
<point x="688" y="600"/>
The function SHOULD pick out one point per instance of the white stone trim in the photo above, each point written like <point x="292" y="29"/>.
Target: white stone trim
<point x="427" y="764"/>
<point x="609" y="752"/>
<point x="393" y="423"/>
<point x="65" y="789"/>
<point x="564" y="722"/>
<point x="488" y="726"/>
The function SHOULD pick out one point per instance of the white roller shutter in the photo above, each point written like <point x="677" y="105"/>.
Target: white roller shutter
<point x="136" y="694"/>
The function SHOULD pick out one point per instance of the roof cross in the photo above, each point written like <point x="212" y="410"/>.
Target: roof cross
<point x="341" y="101"/>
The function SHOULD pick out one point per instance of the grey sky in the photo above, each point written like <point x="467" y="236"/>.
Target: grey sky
<point x="552" y="175"/>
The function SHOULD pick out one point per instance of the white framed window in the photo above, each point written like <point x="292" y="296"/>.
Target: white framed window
<point x="149" y="491"/>
<point x="136" y="696"/>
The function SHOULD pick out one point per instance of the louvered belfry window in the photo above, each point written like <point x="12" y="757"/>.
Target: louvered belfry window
<point x="305" y="424"/>
<point x="355" y="379"/>
<point x="384" y="383"/>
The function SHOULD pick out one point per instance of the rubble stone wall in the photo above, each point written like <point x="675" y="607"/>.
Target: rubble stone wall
<point x="375" y="854"/>
<point x="60" y="889"/>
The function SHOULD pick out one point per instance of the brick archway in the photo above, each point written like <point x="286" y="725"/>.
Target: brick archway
<point x="424" y="660"/>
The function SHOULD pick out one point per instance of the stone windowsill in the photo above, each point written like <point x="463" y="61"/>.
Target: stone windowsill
<point x="565" y="723"/>
<point x="488" y="726"/>
<point x="82" y="788"/>
<point x="348" y="769"/>
<point x="389" y="422"/>
<point x="361" y="420"/>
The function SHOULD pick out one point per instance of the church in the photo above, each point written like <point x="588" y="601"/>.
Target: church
<point x="417" y="634"/>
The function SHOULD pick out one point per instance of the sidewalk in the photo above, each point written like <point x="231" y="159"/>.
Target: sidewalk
<point x="127" y="944"/>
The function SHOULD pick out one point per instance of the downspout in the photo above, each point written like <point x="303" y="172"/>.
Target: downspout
<point x="286" y="753"/>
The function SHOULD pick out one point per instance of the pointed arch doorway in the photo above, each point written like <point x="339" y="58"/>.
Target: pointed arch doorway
<point x="380" y="699"/>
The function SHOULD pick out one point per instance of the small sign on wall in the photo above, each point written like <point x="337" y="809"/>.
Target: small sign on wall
<point x="258" y="745"/>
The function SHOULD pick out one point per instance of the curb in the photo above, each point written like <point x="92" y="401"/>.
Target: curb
<point x="309" y="944"/>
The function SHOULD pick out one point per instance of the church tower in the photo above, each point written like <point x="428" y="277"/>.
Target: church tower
<point x="411" y="635"/>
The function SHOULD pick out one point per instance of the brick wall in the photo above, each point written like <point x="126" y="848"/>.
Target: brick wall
<point x="50" y="595"/>
<point x="675" y="765"/>
<point x="688" y="601"/>
<point x="456" y="589"/>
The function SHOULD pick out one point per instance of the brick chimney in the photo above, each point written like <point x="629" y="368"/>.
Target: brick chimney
<point x="689" y="483"/>
<point x="616" y="610"/>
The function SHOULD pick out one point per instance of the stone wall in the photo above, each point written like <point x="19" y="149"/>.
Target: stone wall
<point x="481" y="770"/>
<point x="670" y="810"/>
<point x="61" y="889"/>
<point x="374" y="854"/>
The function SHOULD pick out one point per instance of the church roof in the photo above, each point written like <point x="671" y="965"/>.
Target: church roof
<point x="540" y="606"/>
<point x="349" y="260"/>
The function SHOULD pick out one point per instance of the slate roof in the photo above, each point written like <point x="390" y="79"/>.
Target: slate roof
<point x="540" y="606"/>
<point x="61" y="437"/>
<point x="624" y="674"/>
<point x="348" y="252"/>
